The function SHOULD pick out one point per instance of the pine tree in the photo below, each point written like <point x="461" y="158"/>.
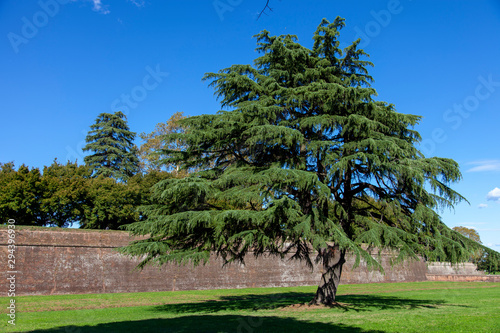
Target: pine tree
<point x="303" y="162"/>
<point x="111" y="141"/>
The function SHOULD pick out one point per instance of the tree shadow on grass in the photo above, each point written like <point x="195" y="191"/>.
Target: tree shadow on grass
<point x="281" y="300"/>
<point x="238" y="303"/>
<point x="212" y="323"/>
<point x="202" y="316"/>
<point x="380" y="302"/>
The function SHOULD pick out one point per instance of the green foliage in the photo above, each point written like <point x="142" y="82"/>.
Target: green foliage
<point x="296" y="162"/>
<point x="21" y="194"/>
<point x="485" y="258"/>
<point x="150" y="152"/>
<point x="472" y="234"/>
<point x="57" y="197"/>
<point x="469" y="233"/>
<point x="66" y="194"/>
<point x="112" y="204"/>
<point x="489" y="261"/>
<point x="114" y="153"/>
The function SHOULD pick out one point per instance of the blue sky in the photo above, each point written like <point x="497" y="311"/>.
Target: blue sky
<point x="63" y="62"/>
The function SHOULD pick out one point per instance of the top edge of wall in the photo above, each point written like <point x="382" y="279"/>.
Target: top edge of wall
<point x="65" y="237"/>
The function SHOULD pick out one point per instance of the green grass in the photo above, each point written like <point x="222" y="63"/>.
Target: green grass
<point x="397" y="307"/>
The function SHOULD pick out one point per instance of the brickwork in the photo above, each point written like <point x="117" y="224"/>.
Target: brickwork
<point x="68" y="261"/>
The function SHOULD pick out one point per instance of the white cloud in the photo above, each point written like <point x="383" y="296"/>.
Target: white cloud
<point x="481" y="166"/>
<point x="98" y="7"/>
<point x="138" y="3"/>
<point x="482" y="206"/>
<point x="494" y="195"/>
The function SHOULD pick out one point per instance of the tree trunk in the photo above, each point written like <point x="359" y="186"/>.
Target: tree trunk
<point x="333" y="260"/>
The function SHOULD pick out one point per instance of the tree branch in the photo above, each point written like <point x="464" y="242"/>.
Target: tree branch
<point x="263" y="11"/>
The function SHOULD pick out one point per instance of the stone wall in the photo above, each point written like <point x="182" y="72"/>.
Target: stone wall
<point x="445" y="268"/>
<point x="70" y="261"/>
<point x="463" y="278"/>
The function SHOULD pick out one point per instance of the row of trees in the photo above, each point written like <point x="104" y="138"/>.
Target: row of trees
<point x="61" y="195"/>
<point x="106" y="192"/>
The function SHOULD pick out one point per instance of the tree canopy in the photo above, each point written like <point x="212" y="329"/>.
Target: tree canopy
<point x="64" y="194"/>
<point x="113" y="204"/>
<point x="112" y="145"/>
<point x="303" y="161"/>
<point x="469" y="233"/>
<point x="484" y="258"/>
<point x="55" y="197"/>
<point x="150" y="152"/>
<point x="21" y="194"/>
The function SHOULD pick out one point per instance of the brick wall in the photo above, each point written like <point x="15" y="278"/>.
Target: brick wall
<point x="70" y="261"/>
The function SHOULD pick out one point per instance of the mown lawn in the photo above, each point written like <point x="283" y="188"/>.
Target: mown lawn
<point x="396" y="307"/>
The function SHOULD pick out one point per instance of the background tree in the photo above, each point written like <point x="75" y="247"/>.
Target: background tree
<point x="65" y="193"/>
<point x="297" y="162"/>
<point x="151" y="151"/>
<point x="484" y="258"/>
<point x="55" y="198"/>
<point x="488" y="261"/>
<point x="111" y="141"/>
<point x="112" y="204"/>
<point x="21" y="193"/>
<point x="469" y="233"/>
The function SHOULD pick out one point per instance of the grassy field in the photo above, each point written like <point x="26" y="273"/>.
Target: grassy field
<point x="397" y="307"/>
